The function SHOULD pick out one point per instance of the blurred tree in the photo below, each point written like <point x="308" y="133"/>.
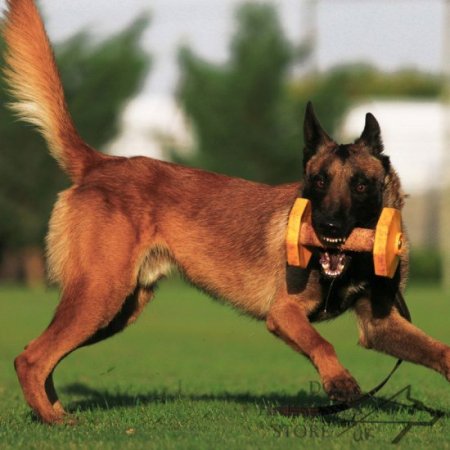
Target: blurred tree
<point x="247" y="113"/>
<point x="244" y="120"/>
<point x="98" y="79"/>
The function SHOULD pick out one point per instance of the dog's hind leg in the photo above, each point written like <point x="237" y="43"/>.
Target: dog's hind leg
<point x="128" y="314"/>
<point x="51" y="392"/>
<point x="131" y="309"/>
<point x="53" y="396"/>
<point x="85" y="308"/>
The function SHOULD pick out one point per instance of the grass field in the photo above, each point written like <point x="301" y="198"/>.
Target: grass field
<point x="193" y="374"/>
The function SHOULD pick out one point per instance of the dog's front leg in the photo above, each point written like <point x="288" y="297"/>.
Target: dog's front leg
<point x="287" y="320"/>
<point x="394" y="335"/>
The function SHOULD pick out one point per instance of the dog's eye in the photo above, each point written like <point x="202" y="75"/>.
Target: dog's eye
<point x="320" y="182"/>
<point x="361" y="188"/>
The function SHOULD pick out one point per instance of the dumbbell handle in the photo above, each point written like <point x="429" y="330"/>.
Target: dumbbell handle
<point x="359" y="240"/>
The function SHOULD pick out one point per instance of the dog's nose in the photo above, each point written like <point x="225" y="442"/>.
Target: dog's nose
<point x="332" y="229"/>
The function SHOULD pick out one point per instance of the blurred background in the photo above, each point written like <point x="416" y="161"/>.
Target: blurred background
<point x="222" y="85"/>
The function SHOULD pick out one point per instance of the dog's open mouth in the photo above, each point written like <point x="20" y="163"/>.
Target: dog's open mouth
<point x="333" y="261"/>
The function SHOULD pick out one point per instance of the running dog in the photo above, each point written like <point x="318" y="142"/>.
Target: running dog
<point x="126" y="222"/>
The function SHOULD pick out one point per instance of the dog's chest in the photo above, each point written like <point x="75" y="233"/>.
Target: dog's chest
<point x="336" y="299"/>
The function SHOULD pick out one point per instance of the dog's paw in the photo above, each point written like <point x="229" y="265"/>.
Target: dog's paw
<point x="59" y="409"/>
<point x="342" y="388"/>
<point x="59" y="419"/>
<point x="70" y="420"/>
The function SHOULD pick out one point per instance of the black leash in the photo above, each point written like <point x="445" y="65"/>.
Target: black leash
<point x="314" y="411"/>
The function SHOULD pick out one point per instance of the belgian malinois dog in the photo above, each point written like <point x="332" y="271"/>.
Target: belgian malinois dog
<point x="125" y="222"/>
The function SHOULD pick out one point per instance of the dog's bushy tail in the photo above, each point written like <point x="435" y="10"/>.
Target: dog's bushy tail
<point x="35" y="84"/>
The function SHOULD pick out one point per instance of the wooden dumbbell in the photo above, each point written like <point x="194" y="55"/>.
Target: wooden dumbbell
<point x="385" y="242"/>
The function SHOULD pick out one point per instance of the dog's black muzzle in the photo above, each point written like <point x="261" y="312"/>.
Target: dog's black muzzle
<point x="333" y="231"/>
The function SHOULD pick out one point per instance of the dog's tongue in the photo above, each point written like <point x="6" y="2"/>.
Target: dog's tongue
<point x="333" y="264"/>
<point x="335" y="259"/>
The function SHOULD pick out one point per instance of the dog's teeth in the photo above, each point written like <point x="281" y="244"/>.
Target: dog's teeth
<point x="334" y="240"/>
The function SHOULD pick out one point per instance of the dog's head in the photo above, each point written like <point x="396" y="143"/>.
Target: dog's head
<point x="345" y="184"/>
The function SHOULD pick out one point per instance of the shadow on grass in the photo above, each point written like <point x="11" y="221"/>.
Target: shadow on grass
<point x="106" y="399"/>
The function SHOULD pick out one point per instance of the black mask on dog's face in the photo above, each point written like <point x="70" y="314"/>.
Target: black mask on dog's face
<point x="344" y="184"/>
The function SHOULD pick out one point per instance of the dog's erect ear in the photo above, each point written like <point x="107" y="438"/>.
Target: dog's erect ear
<point x="371" y="135"/>
<point x="313" y="133"/>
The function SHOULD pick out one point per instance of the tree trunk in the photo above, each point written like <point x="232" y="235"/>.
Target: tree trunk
<point x="33" y="266"/>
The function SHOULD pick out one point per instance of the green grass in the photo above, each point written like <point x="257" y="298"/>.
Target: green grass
<point x="194" y="374"/>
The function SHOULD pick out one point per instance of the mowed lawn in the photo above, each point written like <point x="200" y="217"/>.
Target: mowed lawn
<point x="194" y="374"/>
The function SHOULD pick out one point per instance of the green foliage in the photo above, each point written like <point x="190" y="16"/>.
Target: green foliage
<point x="98" y="79"/>
<point x="244" y="119"/>
<point x="426" y="265"/>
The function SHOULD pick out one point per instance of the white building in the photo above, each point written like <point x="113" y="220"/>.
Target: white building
<point x="147" y="124"/>
<point x="413" y="136"/>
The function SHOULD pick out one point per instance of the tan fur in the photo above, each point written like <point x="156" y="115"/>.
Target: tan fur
<point x="33" y="79"/>
<point x="157" y="264"/>
<point x="395" y="335"/>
